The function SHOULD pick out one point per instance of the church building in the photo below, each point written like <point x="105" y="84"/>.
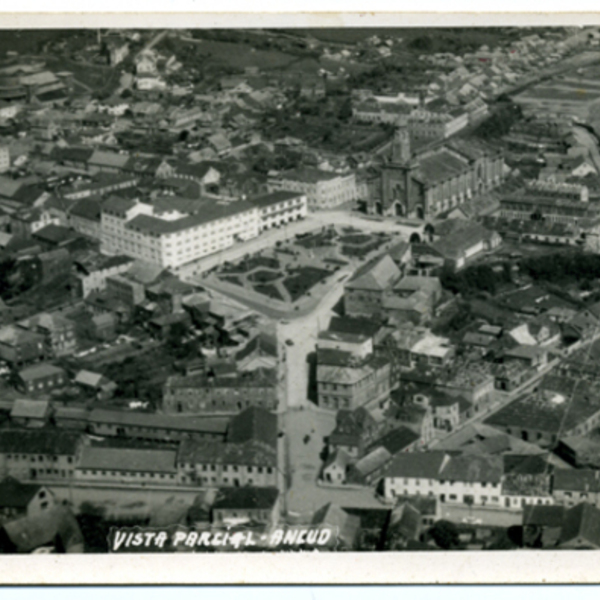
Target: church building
<point x="426" y="184"/>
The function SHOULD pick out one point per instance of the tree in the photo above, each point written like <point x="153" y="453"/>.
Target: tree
<point x="444" y="534"/>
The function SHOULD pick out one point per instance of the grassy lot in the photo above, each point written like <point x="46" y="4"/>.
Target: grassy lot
<point x="263" y="276"/>
<point x="270" y="291"/>
<point x="302" y="280"/>
<point x="357" y="238"/>
<point x="240" y="56"/>
<point x="232" y="279"/>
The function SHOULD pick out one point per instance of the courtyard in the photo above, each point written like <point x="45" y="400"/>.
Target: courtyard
<point x="296" y="273"/>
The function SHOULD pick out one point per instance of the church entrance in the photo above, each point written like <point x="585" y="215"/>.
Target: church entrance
<point x="420" y="213"/>
<point x="378" y="208"/>
<point x="398" y="209"/>
<point x="429" y="231"/>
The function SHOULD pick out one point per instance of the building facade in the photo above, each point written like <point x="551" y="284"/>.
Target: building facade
<point x="323" y="189"/>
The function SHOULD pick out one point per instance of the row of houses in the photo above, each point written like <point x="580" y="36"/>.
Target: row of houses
<point x="192" y="452"/>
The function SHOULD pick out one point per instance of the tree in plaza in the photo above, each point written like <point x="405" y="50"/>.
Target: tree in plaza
<point x="444" y="534"/>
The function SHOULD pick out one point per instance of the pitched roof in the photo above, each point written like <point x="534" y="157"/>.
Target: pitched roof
<point x="426" y="465"/>
<point x="581" y="525"/>
<point x="473" y="468"/>
<point x="251" y="453"/>
<point x="29" y="533"/>
<point x="14" y="494"/>
<point x="379" y="274"/>
<point x="308" y="175"/>
<point x="397" y="440"/>
<point x="109" y="159"/>
<point x="148" y="460"/>
<point x="87" y="208"/>
<point x="91" y="379"/>
<point x="38" y="371"/>
<point x="577" y="480"/>
<point x="41" y="441"/>
<point x="274" y="198"/>
<point x="254" y="423"/>
<point x="215" y="425"/>
<point x="30" y="409"/>
<point x="346" y="525"/>
<point x="542" y="515"/>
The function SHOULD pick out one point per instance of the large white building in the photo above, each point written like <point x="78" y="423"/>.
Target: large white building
<point x="278" y="208"/>
<point x="173" y="231"/>
<point x="469" y="479"/>
<point x="323" y="189"/>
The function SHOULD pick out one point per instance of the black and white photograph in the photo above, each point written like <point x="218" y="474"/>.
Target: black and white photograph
<point x="299" y="290"/>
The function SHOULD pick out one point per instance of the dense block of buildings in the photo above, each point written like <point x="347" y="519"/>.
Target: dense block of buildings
<point x="560" y="406"/>
<point x="198" y="394"/>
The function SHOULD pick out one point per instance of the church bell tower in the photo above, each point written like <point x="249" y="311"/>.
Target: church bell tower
<point x="401" y="146"/>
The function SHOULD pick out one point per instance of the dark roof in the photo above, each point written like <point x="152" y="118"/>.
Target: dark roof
<point x="251" y="453"/>
<point x="526" y="464"/>
<point x="215" y="425"/>
<point x="397" y="440"/>
<point x="14" y="494"/>
<point x="308" y="175"/>
<point x="42" y="441"/>
<point x="87" y="208"/>
<point x="254" y="423"/>
<point x="355" y="325"/>
<point x="274" y="198"/>
<point x="425" y="465"/>
<point x="473" y="467"/>
<point x="560" y="404"/>
<point x="208" y="211"/>
<point x="543" y="515"/>
<point x="581" y="523"/>
<point x="246" y="498"/>
<point x="128" y="459"/>
<point x="55" y="234"/>
<point x="577" y="480"/>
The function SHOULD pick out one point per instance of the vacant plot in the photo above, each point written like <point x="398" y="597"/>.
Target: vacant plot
<point x="302" y="280"/>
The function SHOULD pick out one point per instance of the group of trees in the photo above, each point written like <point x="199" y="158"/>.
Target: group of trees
<point x="504" y="115"/>
<point x="561" y="267"/>
<point x="478" y="278"/>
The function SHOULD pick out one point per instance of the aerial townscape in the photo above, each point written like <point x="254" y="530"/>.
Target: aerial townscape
<point x="285" y="278"/>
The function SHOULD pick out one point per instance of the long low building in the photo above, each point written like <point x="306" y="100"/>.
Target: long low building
<point x="154" y="426"/>
<point x="127" y="465"/>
